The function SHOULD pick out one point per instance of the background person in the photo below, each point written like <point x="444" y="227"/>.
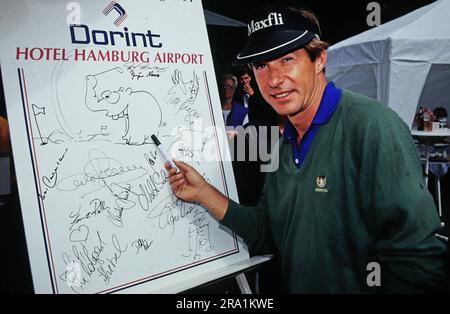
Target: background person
<point x="235" y="114"/>
<point x="246" y="172"/>
<point x="440" y="114"/>
<point x="260" y="112"/>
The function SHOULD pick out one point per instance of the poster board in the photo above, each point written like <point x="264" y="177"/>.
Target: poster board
<point x="86" y="84"/>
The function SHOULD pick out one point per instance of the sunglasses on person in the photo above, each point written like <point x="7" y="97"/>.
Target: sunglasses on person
<point x="227" y="87"/>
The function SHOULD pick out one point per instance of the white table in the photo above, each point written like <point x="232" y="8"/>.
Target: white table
<point x="436" y="133"/>
<point x="444" y="132"/>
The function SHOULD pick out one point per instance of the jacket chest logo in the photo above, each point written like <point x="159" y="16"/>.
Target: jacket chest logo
<point x="321" y="183"/>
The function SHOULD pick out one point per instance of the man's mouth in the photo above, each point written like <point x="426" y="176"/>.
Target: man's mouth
<point x="280" y="95"/>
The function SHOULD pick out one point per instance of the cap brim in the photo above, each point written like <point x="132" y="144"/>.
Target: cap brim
<point x="260" y="48"/>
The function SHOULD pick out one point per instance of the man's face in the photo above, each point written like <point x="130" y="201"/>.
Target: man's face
<point x="245" y="79"/>
<point x="289" y="82"/>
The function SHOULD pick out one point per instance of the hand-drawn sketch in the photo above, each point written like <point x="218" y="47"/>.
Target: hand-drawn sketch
<point x="37" y="111"/>
<point x="113" y="197"/>
<point x="126" y="104"/>
<point x="68" y="105"/>
<point x="182" y="96"/>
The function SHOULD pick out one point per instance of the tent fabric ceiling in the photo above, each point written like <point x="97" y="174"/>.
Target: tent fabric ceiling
<point x="400" y="53"/>
<point x="437" y="81"/>
<point x="213" y="18"/>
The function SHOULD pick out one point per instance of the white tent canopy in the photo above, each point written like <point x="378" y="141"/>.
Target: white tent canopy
<point x="404" y="63"/>
<point x="213" y="18"/>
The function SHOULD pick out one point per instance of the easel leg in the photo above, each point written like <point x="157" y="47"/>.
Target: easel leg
<point x="243" y="284"/>
<point x="257" y="283"/>
<point x="427" y="163"/>
<point x="438" y="186"/>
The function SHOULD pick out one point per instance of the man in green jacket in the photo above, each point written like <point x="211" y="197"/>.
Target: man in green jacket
<point x="348" y="194"/>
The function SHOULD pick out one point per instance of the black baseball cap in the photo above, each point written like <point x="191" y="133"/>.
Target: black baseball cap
<point x="274" y="31"/>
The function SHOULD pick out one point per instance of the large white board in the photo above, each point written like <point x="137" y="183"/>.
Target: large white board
<point x="86" y="85"/>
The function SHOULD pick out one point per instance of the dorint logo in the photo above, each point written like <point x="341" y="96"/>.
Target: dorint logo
<point x="119" y="9"/>
<point x="321" y="183"/>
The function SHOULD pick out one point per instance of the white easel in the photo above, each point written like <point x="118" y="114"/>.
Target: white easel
<point x="239" y="267"/>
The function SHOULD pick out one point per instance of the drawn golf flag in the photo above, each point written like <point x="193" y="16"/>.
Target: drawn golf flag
<point x="38" y="110"/>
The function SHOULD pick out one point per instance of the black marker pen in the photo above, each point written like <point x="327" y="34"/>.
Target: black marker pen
<point x="163" y="151"/>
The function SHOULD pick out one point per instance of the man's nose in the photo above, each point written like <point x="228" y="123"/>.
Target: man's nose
<point x="275" y="78"/>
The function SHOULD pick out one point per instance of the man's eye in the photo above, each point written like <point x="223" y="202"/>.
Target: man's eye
<point x="259" y="66"/>
<point x="287" y="59"/>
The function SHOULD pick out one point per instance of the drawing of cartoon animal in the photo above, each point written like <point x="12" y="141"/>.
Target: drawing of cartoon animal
<point x="139" y="109"/>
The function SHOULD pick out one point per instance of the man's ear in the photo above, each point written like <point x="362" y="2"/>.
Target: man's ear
<point x="321" y="61"/>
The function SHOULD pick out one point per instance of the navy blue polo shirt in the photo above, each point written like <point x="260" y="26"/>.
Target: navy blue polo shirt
<point x="328" y="104"/>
